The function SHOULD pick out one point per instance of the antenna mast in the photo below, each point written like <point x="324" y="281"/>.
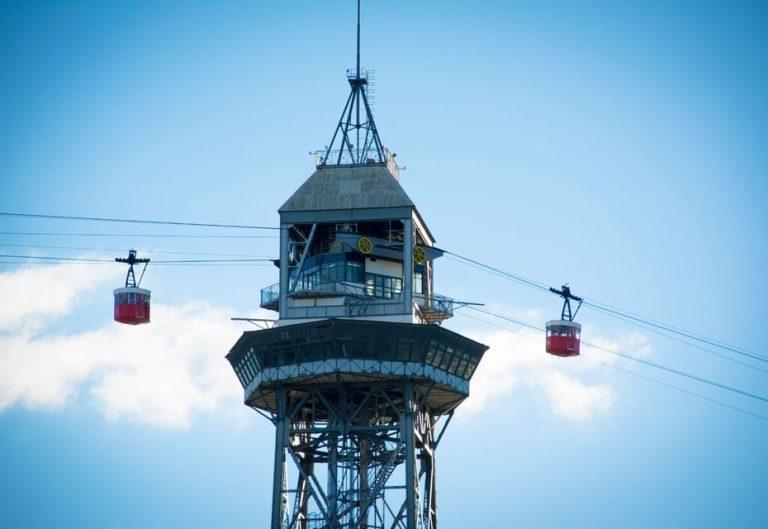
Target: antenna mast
<point x="358" y="139"/>
<point x="358" y="39"/>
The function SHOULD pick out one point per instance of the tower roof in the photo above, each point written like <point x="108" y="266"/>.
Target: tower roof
<point x="348" y="187"/>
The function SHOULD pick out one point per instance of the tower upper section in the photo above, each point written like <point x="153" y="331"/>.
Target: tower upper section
<point x="353" y="245"/>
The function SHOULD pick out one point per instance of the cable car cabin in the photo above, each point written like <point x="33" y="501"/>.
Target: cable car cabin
<point x="132" y="305"/>
<point x="563" y="337"/>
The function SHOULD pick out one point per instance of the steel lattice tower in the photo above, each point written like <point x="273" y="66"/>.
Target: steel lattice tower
<point x="357" y="375"/>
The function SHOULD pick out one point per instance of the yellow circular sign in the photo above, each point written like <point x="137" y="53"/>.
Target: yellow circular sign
<point x="364" y="245"/>
<point x="419" y="255"/>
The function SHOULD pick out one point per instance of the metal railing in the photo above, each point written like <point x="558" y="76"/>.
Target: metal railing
<point x="348" y="158"/>
<point x="364" y="73"/>
<point x="270" y="294"/>
<point x="435" y="308"/>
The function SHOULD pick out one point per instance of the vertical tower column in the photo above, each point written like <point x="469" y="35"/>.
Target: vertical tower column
<point x="281" y="439"/>
<point x="408" y="265"/>
<point x="284" y="271"/>
<point x="407" y="424"/>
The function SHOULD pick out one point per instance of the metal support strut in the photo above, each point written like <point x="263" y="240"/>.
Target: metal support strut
<point x="565" y="292"/>
<point x="130" y="278"/>
<point x="346" y="443"/>
<point x="356" y="131"/>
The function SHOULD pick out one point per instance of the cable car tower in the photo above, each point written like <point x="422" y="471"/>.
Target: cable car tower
<point x="357" y="375"/>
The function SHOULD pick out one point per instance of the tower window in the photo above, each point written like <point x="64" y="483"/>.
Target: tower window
<point x="418" y="282"/>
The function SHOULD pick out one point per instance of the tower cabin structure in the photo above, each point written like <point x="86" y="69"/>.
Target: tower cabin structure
<point x="354" y="246"/>
<point x="357" y="375"/>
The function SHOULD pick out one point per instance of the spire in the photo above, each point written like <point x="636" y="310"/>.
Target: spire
<point x="355" y="140"/>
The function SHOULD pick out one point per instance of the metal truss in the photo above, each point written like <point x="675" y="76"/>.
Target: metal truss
<point x="357" y="134"/>
<point x="355" y="456"/>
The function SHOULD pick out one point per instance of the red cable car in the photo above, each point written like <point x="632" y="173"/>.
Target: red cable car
<point x="132" y="302"/>
<point x="564" y="335"/>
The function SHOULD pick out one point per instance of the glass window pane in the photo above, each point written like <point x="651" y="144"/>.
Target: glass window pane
<point x="452" y="368"/>
<point x="418" y="282"/>
<point x="438" y="356"/>
<point x="462" y="366"/>
<point x="447" y="357"/>
<point x="431" y="351"/>
<point x="470" y="370"/>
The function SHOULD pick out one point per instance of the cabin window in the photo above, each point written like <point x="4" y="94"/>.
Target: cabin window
<point x="454" y="363"/>
<point x="447" y="357"/>
<point x="433" y="345"/>
<point x="438" y="357"/>
<point x="470" y="370"/>
<point x="380" y="286"/>
<point x="354" y="271"/>
<point x="418" y="282"/>
<point x="333" y="268"/>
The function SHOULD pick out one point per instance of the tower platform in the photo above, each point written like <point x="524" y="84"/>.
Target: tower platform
<point x="338" y="351"/>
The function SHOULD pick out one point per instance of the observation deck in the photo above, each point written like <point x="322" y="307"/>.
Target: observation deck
<point x="337" y="351"/>
<point x="361" y="299"/>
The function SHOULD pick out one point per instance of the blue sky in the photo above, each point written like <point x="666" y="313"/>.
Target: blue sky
<point x="617" y="146"/>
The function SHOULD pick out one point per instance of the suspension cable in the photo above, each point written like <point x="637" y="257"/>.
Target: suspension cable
<point x="157" y="235"/>
<point x="93" y="260"/>
<point x="101" y="249"/>
<point x="138" y="221"/>
<point x="633" y="373"/>
<point x="636" y="359"/>
<point x="612" y="311"/>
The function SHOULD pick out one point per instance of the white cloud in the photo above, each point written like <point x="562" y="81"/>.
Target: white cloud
<point x="575" y="400"/>
<point x="161" y="374"/>
<point x="634" y="343"/>
<point x="32" y="294"/>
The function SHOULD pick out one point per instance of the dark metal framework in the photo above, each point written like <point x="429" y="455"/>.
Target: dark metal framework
<point x="363" y="457"/>
<point x="130" y="278"/>
<point x="358" y="138"/>
<point x="359" y="409"/>
<point x="565" y="292"/>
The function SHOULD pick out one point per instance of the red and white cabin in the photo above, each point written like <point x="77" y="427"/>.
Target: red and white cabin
<point x="563" y="337"/>
<point x="132" y="305"/>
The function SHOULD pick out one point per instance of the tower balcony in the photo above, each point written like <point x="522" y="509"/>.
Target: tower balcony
<point x="439" y="361"/>
<point x="435" y="308"/>
<point x="270" y="297"/>
<point x="371" y="298"/>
